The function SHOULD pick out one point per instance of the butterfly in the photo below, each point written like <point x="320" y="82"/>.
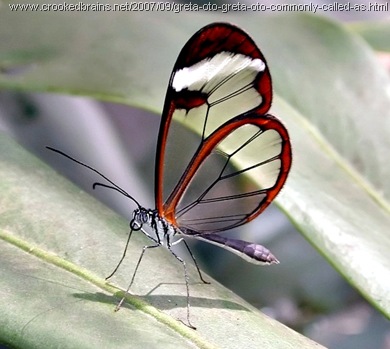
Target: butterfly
<point x="221" y="88"/>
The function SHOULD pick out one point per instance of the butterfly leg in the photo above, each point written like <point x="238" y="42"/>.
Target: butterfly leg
<point x="195" y="262"/>
<point x="187" y="285"/>
<point x="136" y="269"/>
<point x="123" y="256"/>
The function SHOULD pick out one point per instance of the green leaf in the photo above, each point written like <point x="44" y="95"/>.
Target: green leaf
<point x="377" y="33"/>
<point x="333" y="97"/>
<point x="338" y="192"/>
<point x="57" y="243"/>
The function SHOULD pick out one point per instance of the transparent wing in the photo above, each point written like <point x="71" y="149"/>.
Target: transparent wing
<point x="220" y="87"/>
<point x="237" y="179"/>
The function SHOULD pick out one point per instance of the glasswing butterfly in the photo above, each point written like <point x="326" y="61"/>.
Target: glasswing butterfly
<point x="221" y="88"/>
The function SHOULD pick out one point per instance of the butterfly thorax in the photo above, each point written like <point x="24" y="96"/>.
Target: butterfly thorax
<point x="163" y="230"/>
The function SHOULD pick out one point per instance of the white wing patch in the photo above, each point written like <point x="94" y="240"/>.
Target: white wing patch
<point x="228" y="81"/>
<point x="206" y="74"/>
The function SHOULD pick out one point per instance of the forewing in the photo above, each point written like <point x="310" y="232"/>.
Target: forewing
<point x="220" y="87"/>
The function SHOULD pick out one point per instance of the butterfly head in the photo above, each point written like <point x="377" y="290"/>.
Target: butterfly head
<point x="141" y="216"/>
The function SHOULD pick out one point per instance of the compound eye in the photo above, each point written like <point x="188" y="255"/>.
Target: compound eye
<point x="135" y="225"/>
<point x="143" y="217"/>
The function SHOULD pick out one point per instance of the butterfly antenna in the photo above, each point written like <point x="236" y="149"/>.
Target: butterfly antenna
<point x="113" y="186"/>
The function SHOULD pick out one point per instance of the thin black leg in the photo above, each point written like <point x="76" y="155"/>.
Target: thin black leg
<point x="123" y="255"/>
<point x="195" y="262"/>
<point x="135" y="272"/>
<point x="187" y="287"/>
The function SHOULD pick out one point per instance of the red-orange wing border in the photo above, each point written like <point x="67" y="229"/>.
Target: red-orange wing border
<point x="206" y="43"/>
